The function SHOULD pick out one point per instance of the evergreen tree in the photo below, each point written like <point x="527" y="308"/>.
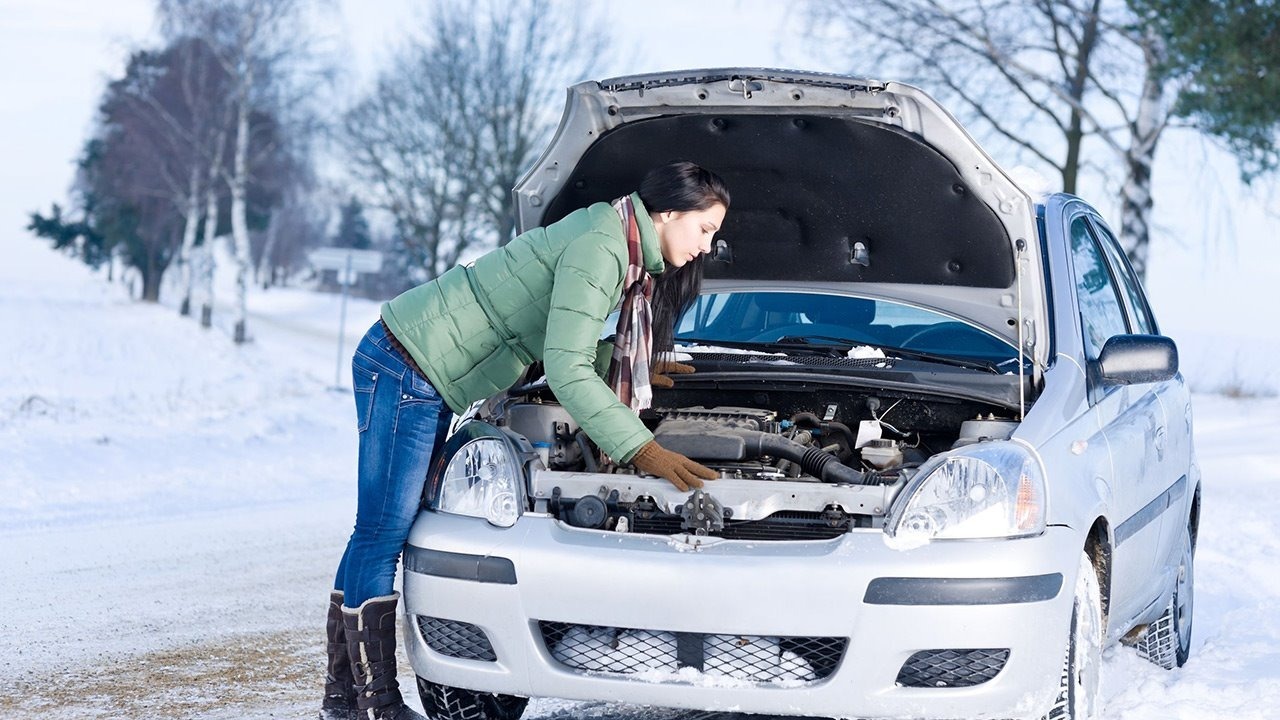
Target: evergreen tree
<point x="120" y="185"/>
<point x="353" y="228"/>
<point x="76" y="237"/>
<point x="1226" y="53"/>
<point x="157" y="166"/>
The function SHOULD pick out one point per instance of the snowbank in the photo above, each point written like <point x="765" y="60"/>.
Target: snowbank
<point x="111" y="408"/>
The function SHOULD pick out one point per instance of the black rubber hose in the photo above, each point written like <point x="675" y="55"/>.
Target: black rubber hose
<point x="808" y="419"/>
<point x="816" y="462"/>
<point x="588" y="455"/>
<point x="843" y="430"/>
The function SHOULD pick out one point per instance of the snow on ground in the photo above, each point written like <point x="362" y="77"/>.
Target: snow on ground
<point x="115" y="409"/>
<point x="1234" y="670"/>
<point x="172" y="507"/>
<point x="168" y="500"/>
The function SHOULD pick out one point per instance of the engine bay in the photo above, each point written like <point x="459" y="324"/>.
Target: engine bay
<point x="795" y="463"/>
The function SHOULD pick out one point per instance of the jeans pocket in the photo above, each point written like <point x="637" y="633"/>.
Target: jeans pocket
<point x="420" y="390"/>
<point x="363" y="382"/>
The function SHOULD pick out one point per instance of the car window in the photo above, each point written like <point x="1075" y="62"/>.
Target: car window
<point x="751" y="316"/>
<point x="705" y="310"/>
<point x="1100" y="314"/>
<point x="1140" y="319"/>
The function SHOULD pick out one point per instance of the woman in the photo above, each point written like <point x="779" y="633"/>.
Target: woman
<point x="469" y="334"/>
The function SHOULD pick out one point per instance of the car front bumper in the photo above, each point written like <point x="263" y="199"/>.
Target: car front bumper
<point x="889" y="603"/>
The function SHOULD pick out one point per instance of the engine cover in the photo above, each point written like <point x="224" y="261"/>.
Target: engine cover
<point x="742" y="417"/>
<point x="708" y="433"/>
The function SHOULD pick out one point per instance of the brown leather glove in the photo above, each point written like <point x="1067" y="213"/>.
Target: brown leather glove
<point x="676" y="468"/>
<point x="663" y="368"/>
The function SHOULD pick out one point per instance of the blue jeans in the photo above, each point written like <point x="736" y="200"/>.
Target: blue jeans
<point x="402" y="422"/>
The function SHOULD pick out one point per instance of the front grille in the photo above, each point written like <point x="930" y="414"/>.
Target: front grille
<point x="951" y="668"/>
<point x="753" y="658"/>
<point x="782" y="525"/>
<point x="456" y="639"/>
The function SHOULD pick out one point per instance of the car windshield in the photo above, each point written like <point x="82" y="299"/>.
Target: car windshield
<point x="772" y="317"/>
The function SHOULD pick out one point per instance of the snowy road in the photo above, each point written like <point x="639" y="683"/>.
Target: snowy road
<point x="208" y="615"/>
<point x="172" y="507"/>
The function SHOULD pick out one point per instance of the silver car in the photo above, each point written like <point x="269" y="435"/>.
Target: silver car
<point x="954" y="450"/>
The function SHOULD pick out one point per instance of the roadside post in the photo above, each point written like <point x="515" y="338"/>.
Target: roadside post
<point x="350" y="264"/>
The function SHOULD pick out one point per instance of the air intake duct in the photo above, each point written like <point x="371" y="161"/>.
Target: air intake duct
<point x="816" y="462"/>
<point x="712" y="441"/>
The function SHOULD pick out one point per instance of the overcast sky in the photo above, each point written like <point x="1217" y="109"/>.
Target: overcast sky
<point x="1214" y="255"/>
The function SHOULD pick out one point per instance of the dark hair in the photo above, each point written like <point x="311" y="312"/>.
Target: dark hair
<point x="681" y="187"/>
<point x="673" y="293"/>
<point x="678" y="187"/>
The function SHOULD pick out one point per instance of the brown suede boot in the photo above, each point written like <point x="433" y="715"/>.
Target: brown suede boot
<point x="371" y="645"/>
<point x="339" y="684"/>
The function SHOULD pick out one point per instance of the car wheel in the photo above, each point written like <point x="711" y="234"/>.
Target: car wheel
<point x="1082" y="665"/>
<point x="1167" y="641"/>
<point x="443" y="702"/>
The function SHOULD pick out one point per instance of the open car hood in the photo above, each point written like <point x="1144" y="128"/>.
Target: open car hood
<point x="833" y="179"/>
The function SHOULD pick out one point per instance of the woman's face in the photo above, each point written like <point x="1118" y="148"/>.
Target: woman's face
<point x="685" y="235"/>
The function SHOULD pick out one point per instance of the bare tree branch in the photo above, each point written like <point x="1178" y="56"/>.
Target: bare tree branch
<point x="451" y="129"/>
<point x="1067" y="65"/>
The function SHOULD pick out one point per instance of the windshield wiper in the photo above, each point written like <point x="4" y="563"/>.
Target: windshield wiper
<point x="892" y="350"/>
<point x="838" y="346"/>
<point x="751" y="345"/>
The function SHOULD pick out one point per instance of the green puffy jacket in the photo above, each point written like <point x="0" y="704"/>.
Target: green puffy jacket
<point x="551" y="288"/>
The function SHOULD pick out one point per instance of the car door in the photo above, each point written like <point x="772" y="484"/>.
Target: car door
<point x="1172" y="440"/>
<point x="1129" y="417"/>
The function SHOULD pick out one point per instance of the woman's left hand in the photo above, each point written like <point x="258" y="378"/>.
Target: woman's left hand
<point x="659" y="378"/>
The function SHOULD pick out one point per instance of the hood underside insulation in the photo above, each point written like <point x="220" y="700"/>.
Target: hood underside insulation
<point x="805" y="190"/>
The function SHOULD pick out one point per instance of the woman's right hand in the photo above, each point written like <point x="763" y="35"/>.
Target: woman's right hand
<point x="676" y="468"/>
<point x="664" y="369"/>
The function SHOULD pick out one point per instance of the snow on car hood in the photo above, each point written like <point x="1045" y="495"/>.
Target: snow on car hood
<point x="834" y="180"/>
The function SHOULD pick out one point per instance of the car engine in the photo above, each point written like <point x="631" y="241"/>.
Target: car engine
<point x="792" y="471"/>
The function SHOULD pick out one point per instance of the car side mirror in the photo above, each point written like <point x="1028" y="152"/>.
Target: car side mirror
<point x="1134" y="359"/>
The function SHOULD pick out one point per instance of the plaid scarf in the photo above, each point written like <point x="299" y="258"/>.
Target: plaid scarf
<point x="629" y="369"/>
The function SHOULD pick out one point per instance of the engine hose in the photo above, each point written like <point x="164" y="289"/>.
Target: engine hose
<point x="806" y="417"/>
<point x="811" y="420"/>
<point x="843" y="430"/>
<point x="820" y="464"/>
<point x="588" y="455"/>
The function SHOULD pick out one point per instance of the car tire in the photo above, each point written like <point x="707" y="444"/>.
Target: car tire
<point x="1167" y="641"/>
<point x="443" y="702"/>
<point x="1082" y="665"/>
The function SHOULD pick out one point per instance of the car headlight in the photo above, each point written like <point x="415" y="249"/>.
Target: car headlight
<point x="988" y="490"/>
<point x="482" y="479"/>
